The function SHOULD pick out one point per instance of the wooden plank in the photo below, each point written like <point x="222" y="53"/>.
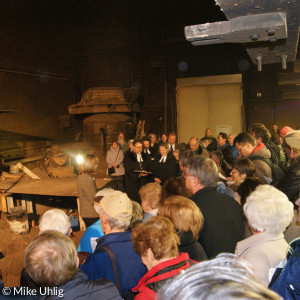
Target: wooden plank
<point x="10" y="203"/>
<point x="288" y="78"/>
<point x="3" y="201"/>
<point x="290" y="95"/>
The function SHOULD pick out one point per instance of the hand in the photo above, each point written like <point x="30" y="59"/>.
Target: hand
<point x="157" y="180"/>
<point x="141" y="174"/>
<point x="114" y="165"/>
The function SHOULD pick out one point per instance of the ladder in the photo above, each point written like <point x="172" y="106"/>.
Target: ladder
<point x="140" y="132"/>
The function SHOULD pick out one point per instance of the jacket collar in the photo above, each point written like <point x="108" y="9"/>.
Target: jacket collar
<point x="186" y="238"/>
<point x="132" y="156"/>
<point x="171" y="262"/>
<point x="111" y="238"/>
<point x="256" y="239"/>
<point x="204" y="191"/>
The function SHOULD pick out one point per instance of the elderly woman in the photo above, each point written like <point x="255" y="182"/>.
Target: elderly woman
<point x="165" y="165"/>
<point x="156" y="241"/>
<point x="114" y="160"/>
<point x="268" y="212"/>
<point x="188" y="220"/>
<point x="150" y="195"/>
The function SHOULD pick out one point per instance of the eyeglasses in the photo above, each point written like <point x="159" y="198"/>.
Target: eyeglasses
<point x="241" y="148"/>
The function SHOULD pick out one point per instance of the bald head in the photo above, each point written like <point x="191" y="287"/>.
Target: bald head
<point x="194" y="143"/>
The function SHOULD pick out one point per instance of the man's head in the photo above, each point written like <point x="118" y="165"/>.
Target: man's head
<point x="217" y="157"/>
<point x="115" y="211"/>
<point x="260" y="133"/>
<point x="171" y="138"/>
<point x="194" y="143"/>
<point x="152" y="137"/>
<point x="51" y="259"/>
<point x="207" y="141"/>
<point x="130" y="145"/>
<point x="183" y="159"/>
<point x="55" y="219"/>
<point x="208" y="132"/>
<point x="292" y="144"/>
<point x="222" y="139"/>
<point x="138" y="146"/>
<point x="121" y="136"/>
<point x="245" y="143"/>
<point x="201" y="172"/>
<point x="231" y="138"/>
<point x="146" y="143"/>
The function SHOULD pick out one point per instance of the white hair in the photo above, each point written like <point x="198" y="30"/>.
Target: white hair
<point x="55" y="219"/>
<point x="225" y="277"/>
<point x="268" y="209"/>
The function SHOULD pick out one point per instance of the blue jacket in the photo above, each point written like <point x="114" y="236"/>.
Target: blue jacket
<point x="93" y="232"/>
<point x="80" y="288"/>
<point x="286" y="281"/>
<point x="130" y="266"/>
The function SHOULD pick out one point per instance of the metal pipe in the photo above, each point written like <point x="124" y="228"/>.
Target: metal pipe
<point x="283" y="61"/>
<point x="259" y="64"/>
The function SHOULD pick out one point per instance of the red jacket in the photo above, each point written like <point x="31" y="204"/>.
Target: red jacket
<point x="158" y="275"/>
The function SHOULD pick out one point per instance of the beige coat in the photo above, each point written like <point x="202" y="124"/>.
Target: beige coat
<point x="263" y="251"/>
<point x="115" y="156"/>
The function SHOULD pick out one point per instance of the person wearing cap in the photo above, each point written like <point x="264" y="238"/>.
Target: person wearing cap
<point x="114" y="257"/>
<point x="88" y="241"/>
<point x="290" y="183"/>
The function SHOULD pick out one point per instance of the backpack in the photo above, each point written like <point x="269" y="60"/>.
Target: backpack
<point x="277" y="173"/>
<point x="286" y="281"/>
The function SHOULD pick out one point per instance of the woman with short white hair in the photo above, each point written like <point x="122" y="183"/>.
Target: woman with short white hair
<point x="269" y="213"/>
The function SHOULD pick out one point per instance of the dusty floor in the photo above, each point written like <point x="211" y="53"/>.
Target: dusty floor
<point x="12" y="246"/>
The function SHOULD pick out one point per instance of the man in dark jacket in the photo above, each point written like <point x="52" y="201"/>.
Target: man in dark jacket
<point x="246" y="144"/>
<point x="195" y="146"/>
<point x="223" y="217"/>
<point x="213" y="144"/>
<point x="61" y="278"/>
<point x="114" y="257"/>
<point x="290" y="183"/>
<point x="136" y="161"/>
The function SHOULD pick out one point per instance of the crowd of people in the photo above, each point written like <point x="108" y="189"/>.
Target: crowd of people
<point x="201" y="220"/>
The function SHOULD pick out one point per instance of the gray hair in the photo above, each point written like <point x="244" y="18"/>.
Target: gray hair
<point x="268" y="209"/>
<point x="50" y="260"/>
<point x="55" y="219"/>
<point x="114" y="223"/>
<point x="204" y="169"/>
<point x="184" y="156"/>
<point x="225" y="277"/>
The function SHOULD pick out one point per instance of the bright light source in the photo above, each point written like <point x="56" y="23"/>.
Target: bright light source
<point x="79" y="159"/>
